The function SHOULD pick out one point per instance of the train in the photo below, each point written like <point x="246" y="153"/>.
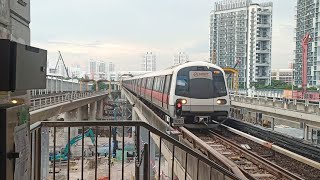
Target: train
<point x="195" y="91"/>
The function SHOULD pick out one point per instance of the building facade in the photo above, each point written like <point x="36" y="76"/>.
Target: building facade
<point x="180" y="58"/>
<point x="15" y="20"/>
<point x="241" y="31"/>
<point x="307" y="21"/>
<point x="97" y="70"/>
<point x="285" y="75"/>
<point x="149" y="62"/>
<point x="111" y="67"/>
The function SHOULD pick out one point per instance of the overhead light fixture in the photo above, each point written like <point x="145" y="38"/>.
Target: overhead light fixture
<point x="14" y="101"/>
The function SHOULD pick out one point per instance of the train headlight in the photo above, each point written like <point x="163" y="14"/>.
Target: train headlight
<point x="221" y="101"/>
<point x="183" y="101"/>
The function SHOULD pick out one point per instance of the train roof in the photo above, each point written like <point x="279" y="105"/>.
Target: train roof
<point x="176" y="68"/>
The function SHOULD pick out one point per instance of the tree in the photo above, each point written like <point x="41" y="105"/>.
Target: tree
<point x="102" y="86"/>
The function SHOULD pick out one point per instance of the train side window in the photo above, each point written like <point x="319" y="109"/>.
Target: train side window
<point x="167" y="86"/>
<point x="144" y="82"/>
<point x="162" y="84"/>
<point x="150" y="83"/>
<point x="157" y="83"/>
<point x="147" y="83"/>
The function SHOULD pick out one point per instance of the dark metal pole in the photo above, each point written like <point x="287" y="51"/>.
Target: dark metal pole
<point x="146" y="162"/>
<point x="68" y="155"/>
<point x="96" y="155"/>
<point x="186" y="167"/>
<point x="82" y="153"/>
<point x="122" y="152"/>
<point x="109" y="158"/>
<point x="137" y="168"/>
<point x="54" y="153"/>
<point x="159" y="168"/>
<point x="172" y="165"/>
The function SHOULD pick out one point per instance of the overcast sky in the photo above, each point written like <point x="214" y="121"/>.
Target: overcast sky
<point x="121" y="31"/>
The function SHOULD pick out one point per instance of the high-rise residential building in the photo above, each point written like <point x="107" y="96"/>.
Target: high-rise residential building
<point x="111" y="67"/>
<point x="97" y="69"/>
<point x="102" y="67"/>
<point x="92" y="67"/>
<point x="149" y="62"/>
<point x="241" y="31"/>
<point x="284" y="75"/>
<point x="307" y="21"/>
<point x="180" y="58"/>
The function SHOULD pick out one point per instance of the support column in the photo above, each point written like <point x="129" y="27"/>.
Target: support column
<point x="84" y="112"/>
<point x="99" y="114"/>
<point x="71" y="116"/>
<point x="93" y="111"/>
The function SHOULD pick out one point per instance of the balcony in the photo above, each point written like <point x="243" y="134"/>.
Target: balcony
<point x="264" y="12"/>
<point x="264" y="25"/>
<point x="265" y="64"/>
<point x="263" y="38"/>
<point x="264" y="51"/>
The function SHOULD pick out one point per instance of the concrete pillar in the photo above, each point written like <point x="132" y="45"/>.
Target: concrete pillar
<point x="84" y="112"/>
<point x="79" y="114"/>
<point x="99" y="114"/>
<point x="71" y="116"/>
<point x="93" y="111"/>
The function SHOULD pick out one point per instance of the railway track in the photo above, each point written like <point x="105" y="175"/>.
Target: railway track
<point x="250" y="164"/>
<point x="291" y="144"/>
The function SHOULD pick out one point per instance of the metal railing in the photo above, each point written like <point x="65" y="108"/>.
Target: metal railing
<point x="144" y="165"/>
<point x="41" y="101"/>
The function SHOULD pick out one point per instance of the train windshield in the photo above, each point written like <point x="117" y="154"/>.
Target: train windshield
<point x="200" y="83"/>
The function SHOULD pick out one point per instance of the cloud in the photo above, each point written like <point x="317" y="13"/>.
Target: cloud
<point x="126" y="56"/>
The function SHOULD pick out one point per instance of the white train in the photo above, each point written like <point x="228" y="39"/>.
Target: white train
<point x="195" y="91"/>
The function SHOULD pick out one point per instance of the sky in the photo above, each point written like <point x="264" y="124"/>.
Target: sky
<point x="121" y="31"/>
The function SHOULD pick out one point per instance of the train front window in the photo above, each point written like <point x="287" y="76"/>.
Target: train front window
<point x="182" y="85"/>
<point x="200" y="83"/>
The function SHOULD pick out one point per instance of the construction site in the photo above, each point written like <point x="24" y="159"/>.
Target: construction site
<point x="94" y="139"/>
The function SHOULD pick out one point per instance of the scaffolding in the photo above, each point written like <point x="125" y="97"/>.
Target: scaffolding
<point x="234" y="80"/>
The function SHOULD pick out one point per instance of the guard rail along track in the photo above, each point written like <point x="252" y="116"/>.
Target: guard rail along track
<point x="292" y="144"/>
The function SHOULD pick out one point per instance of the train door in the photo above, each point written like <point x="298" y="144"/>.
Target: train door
<point x="166" y="91"/>
<point x="161" y="88"/>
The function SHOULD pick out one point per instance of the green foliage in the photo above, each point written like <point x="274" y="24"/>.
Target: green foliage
<point x="102" y="86"/>
<point x="277" y="84"/>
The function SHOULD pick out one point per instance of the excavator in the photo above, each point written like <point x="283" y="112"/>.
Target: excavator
<point x="63" y="156"/>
